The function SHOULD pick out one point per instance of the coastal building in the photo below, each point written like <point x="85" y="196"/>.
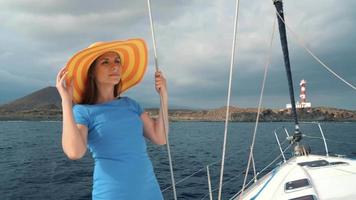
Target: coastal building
<point x="303" y="97"/>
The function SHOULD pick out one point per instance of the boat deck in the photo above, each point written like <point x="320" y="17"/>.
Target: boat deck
<point x="307" y="178"/>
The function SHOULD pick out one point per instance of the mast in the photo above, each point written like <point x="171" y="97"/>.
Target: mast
<point x="283" y="36"/>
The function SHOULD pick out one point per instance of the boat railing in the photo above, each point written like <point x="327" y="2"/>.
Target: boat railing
<point x="261" y="171"/>
<point x="282" y="151"/>
<point x="211" y="190"/>
<point x="255" y="177"/>
<point x="290" y="137"/>
<point x="276" y="132"/>
<point x="196" y="172"/>
<point x="322" y="135"/>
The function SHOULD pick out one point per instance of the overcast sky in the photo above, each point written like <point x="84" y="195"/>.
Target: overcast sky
<point x="194" y="39"/>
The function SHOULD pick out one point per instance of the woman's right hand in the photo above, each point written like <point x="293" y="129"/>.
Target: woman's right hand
<point x="66" y="92"/>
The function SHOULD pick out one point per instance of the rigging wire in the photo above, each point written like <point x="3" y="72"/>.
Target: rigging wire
<point x="228" y="98"/>
<point x="268" y="62"/>
<point x="163" y="106"/>
<point x="302" y="43"/>
<point x="199" y="170"/>
<point x="255" y="176"/>
<point x="330" y="140"/>
<point x="280" y="155"/>
<point x="212" y="164"/>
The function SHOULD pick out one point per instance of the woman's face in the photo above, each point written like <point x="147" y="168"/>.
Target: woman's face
<point x="108" y="69"/>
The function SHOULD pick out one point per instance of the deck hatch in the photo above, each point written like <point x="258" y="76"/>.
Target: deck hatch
<point x="315" y="163"/>
<point x="291" y="185"/>
<point x="307" y="197"/>
<point x="339" y="163"/>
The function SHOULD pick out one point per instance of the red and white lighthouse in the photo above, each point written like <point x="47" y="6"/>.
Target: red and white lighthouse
<point x="302" y="95"/>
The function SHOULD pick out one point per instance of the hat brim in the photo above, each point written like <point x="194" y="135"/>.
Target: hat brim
<point x="133" y="55"/>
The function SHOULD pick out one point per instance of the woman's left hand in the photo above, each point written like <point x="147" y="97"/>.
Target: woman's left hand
<point x="160" y="83"/>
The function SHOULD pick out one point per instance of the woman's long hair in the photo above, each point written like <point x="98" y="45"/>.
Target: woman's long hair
<point x="90" y="95"/>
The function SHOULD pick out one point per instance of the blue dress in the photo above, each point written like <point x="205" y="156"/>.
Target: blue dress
<point x="123" y="170"/>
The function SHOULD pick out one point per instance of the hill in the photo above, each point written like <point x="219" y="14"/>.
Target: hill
<point x="42" y="104"/>
<point x="45" y="104"/>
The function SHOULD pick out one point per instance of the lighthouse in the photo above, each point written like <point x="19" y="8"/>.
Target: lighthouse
<point x="303" y="97"/>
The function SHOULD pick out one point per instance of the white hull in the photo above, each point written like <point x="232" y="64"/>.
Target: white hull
<point x="332" y="180"/>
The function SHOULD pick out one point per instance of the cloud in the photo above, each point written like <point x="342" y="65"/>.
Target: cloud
<point x="194" y="41"/>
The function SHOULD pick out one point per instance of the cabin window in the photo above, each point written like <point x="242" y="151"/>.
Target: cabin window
<point x="338" y="163"/>
<point x="315" y="163"/>
<point x="291" y="185"/>
<point x="307" y="197"/>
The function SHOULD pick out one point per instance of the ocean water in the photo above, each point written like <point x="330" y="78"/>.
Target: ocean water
<point x="33" y="166"/>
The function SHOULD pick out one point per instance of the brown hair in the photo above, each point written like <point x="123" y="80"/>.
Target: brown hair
<point x="90" y="95"/>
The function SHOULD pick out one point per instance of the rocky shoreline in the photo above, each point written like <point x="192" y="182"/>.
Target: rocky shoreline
<point x="45" y="104"/>
<point x="266" y="115"/>
<point x="236" y="114"/>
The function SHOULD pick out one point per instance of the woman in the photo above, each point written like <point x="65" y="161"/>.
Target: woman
<point x="113" y="127"/>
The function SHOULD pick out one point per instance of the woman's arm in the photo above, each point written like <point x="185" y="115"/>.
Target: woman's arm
<point x="74" y="137"/>
<point x="154" y="129"/>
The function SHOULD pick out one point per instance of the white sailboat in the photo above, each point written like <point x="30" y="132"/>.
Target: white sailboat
<point x="304" y="176"/>
<point x="307" y="177"/>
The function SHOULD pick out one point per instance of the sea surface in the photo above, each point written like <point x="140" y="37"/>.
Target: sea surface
<point x="33" y="166"/>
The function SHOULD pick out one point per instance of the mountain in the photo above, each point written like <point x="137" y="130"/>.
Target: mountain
<point x="46" y="98"/>
<point x="44" y="104"/>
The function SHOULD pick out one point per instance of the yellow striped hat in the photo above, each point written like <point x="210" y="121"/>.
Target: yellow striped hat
<point x="133" y="55"/>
